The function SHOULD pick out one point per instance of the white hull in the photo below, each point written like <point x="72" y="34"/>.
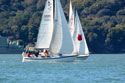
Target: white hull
<point x="82" y="57"/>
<point x="64" y="58"/>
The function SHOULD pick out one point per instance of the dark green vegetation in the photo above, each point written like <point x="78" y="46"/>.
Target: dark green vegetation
<point x="103" y="22"/>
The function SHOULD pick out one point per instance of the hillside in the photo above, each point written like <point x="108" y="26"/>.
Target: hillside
<point x="103" y="22"/>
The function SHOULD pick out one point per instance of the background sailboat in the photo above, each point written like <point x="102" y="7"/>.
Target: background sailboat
<point x="77" y="34"/>
<point x="79" y="39"/>
<point x="72" y="25"/>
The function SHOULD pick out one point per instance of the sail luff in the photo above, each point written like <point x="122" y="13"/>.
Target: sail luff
<point x="46" y="27"/>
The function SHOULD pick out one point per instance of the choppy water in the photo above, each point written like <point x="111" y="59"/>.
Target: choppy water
<point x="96" y="69"/>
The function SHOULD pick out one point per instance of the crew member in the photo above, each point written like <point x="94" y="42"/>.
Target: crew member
<point x="28" y="54"/>
<point x="45" y="52"/>
<point x="36" y="53"/>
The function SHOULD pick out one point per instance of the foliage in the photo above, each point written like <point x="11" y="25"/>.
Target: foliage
<point x="103" y="21"/>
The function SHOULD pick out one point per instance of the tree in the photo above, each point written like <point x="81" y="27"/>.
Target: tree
<point x="104" y="12"/>
<point x="116" y="38"/>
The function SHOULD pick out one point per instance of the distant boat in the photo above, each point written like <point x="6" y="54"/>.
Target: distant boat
<point x="79" y="39"/>
<point x="77" y="34"/>
<point x="54" y="35"/>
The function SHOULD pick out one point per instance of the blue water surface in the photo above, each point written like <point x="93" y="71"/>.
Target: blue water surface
<point x="98" y="68"/>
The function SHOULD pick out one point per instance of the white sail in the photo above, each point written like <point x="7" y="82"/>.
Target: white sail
<point x="79" y="37"/>
<point x="61" y="40"/>
<point x="59" y="36"/>
<point x="71" y="19"/>
<point x="46" y="27"/>
<point x="70" y="10"/>
<point x="72" y="24"/>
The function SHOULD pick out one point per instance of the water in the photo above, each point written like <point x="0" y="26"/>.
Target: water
<point x="96" y="69"/>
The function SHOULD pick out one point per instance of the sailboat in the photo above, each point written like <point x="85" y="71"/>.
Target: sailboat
<point x="79" y="39"/>
<point x="78" y="35"/>
<point x="54" y="35"/>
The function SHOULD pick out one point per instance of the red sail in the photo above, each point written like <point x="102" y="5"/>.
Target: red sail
<point x="79" y="37"/>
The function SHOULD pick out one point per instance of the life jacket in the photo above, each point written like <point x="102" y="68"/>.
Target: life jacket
<point x="28" y="54"/>
<point x="79" y="37"/>
<point x="46" y="53"/>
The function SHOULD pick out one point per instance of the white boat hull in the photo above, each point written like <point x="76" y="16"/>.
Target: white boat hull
<point x="82" y="57"/>
<point x="64" y="58"/>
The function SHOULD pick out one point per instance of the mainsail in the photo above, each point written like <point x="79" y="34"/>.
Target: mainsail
<point x="79" y="37"/>
<point x="46" y="27"/>
<point x="61" y="40"/>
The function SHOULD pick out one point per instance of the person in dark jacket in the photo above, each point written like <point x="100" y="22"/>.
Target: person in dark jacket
<point x="36" y="53"/>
